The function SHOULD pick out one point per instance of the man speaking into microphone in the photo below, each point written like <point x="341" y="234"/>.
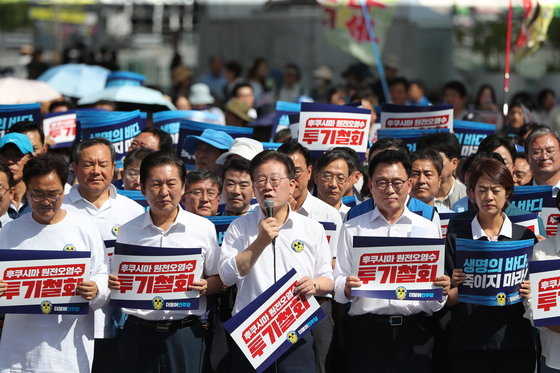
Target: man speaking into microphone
<point x="261" y="247"/>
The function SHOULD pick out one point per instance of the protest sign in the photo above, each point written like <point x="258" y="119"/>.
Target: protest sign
<point x="545" y="290"/>
<point x="409" y="136"/>
<point x="538" y="199"/>
<point x="471" y="134"/>
<point x="60" y="128"/>
<point x="268" y="326"/>
<point x="189" y="127"/>
<point x="398" y="268"/>
<point x="120" y="128"/>
<point x="221" y="223"/>
<point x="493" y="270"/>
<point x="136" y="196"/>
<point x="444" y="218"/>
<point x="323" y="126"/>
<point x="170" y="121"/>
<point x="416" y="117"/>
<point x="11" y="114"/>
<point x="156" y="278"/>
<point x="529" y="221"/>
<point x="43" y="281"/>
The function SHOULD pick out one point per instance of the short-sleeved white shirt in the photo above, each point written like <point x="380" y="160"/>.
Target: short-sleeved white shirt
<point x="61" y="343"/>
<point x="314" y="260"/>
<point x="114" y="212"/>
<point x="320" y="211"/>
<point x="188" y="231"/>
<point x="373" y="224"/>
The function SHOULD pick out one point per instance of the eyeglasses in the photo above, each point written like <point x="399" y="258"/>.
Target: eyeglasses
<point x="131" y="173"/>
<point x="298" y="172"/>
<point x="244" y="185"/>
<point x="211" y="194"/>
<point x="329" y="176"/>
<point x="397" y="184"/>
<point x="274" y="181"/>
<point x="39" y="197"/>
<point x="539" y="153"/>
<point x="3" y="191"/>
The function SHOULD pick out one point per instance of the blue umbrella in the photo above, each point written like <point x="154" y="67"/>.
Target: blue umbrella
<point x="76" y="80"/>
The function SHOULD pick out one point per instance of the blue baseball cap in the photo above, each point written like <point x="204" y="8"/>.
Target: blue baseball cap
<point x="18" y="139"/>
<point x="218" y="139"/>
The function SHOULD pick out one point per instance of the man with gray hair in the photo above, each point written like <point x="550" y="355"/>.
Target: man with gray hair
<point x="542" y="149"/>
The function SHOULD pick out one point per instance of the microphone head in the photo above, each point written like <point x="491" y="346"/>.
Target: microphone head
<point x="269" y="203"/>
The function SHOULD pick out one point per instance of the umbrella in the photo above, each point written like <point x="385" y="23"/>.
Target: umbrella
<point x="25" y="91"/>
<point x="76" y="80"/>
<point x="128" y="94"/>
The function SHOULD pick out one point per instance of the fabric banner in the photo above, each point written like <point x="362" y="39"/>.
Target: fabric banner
<point x="189" y="127"/>
<point x="222" y="224"/>
<point x="156" y="278"/>
<point x="409" y="136"/>
<point x="324" y="126"/>
<point x="60" y="128"/>
<point x="470" y="135"/>
<point x="545" y="290"/>
<point x="44" y="281"/>
<point x="416" y="117"/>
<point x="494" y="270"/>
<point x="345" y="25"/>
<point x="398" y="268"/>
<point x="268" y="326"/>
<point x="11" y="114"/>
<point x="170" y="121"/>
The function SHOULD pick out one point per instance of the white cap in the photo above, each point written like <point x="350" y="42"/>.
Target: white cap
<point x="244" y="147"/>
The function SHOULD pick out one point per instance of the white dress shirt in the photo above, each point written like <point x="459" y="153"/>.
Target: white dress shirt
<point x="313" y="261"/>
<point x="343" y="211"/>
<point x="188" y="231"/>
<point x="374" y="224"/>
<point x="478" y="232"/>
<point x="320" y="211"/>
<point x="555" y="188"/>
<point x="114" y="212"/>
<point x="53" y="343"/>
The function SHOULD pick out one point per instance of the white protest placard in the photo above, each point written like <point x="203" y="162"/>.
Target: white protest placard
<point x="267" y="327"/>
<point x="156" y="278"/>
<point x="398" y="268"/>
<point x="416" y="117"/>
<point x="323" y="126"/>
<point x="545" y="292"/>
<point x="43" y="281"/>
<point x="60" y="128"/>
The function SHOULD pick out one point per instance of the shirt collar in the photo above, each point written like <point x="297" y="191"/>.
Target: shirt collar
<point x="181" y="218"/>
<point x="306" y="206"/>
<point x="404" y="218"/>
<point x="74" y="194"/>
<point x="555" y="188"/>
<point x="478" y="232"/>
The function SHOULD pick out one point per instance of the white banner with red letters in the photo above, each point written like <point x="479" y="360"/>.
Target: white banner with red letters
<point x="323" y="126"/>
<point x="156" y="278"/>
<point x="545" y="292"/>
<point x="398" y="268"/>
<point x="43" y="281"/>
<point x="268" y="326"/>
<point x="416" y="117"/>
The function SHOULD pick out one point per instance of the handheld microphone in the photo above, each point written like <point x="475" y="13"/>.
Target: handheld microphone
<point x="269" y="206"/>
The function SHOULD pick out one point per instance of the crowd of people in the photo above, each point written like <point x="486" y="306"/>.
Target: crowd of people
<point x="49" y="202"/>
